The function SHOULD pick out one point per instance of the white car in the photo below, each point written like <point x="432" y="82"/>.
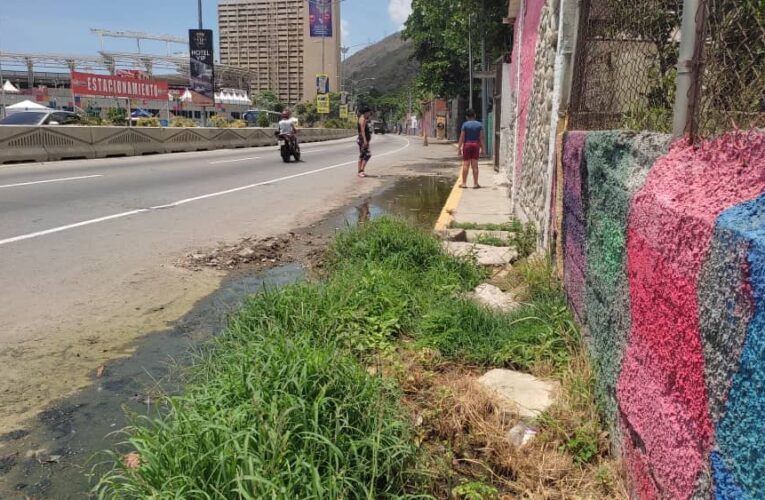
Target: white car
<point x="37" y="118"/>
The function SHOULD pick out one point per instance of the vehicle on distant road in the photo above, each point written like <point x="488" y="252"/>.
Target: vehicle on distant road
<point x="379" y="127"/>
<point x="37" y="118"/>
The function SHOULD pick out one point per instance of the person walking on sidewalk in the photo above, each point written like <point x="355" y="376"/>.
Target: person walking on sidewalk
<point x="365" y="135"/>
<point x="471" y="146"/>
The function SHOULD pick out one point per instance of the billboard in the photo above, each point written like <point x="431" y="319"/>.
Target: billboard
<point x="116" y="86"/>
<point x="320" y="18"/>
<point x="344" y="111"/>
<point x="322" y="104"/>
<point x="322" y="83"/>
<point x="202" y="65"/>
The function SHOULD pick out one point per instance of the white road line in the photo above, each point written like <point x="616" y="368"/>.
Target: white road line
<point x="49" y="181"/>
<point x="70" y="226"/>
<point x="234" y="161"/>
<point x="187" y="200"/>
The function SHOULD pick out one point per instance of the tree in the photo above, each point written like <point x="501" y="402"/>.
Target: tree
<point x="439" y="30"/>
<point x="266" y="99"/>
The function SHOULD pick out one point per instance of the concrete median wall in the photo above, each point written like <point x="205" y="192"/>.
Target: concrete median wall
<point x="664" y="253"/>
<point x="34" y="144"/>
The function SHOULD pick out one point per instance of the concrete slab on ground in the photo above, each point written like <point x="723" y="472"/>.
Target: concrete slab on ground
<point x="488" y="205"/>
<point x="521" y="392"/>
<point x="476" y="234"/>
<point x="494" y="298"/>
<point x="485" y="255"/>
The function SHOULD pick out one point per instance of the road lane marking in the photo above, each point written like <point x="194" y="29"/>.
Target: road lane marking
<point x="178" y="203"/>
<point x="234" y="161"/>
<point x="71" y="226"/>
<point x="304" y="150"/>
<point x="65" y="179"/>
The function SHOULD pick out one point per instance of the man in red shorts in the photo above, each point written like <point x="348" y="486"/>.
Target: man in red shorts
<point x="471" y="146"/>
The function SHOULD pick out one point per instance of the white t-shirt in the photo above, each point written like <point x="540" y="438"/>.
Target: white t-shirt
<point x="286" y="126"/>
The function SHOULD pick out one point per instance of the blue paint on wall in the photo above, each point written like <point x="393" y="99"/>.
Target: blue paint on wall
<point x="740" y="432"/>
<point x="725" y="485"/>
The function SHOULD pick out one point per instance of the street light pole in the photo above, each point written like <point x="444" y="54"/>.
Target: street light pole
<point x="470" y="62"/>
<point x="2" y="81"/>
<point x="204" y="108"/>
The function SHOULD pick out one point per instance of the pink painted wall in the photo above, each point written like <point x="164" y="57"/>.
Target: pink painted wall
<point x="661" y="389"/>
<point x="524" y="56"/>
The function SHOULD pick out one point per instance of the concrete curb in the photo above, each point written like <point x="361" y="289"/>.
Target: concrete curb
<point x="36" y="144"/>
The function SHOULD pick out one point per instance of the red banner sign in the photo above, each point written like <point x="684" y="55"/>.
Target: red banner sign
<point x="115" y="86"/>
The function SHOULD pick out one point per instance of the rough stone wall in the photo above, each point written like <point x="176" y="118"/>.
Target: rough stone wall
<point x="533" y="180"/>
<point x="670" y="282"/>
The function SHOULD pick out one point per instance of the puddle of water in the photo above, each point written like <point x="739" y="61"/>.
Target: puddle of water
<point x="73" y="430"/>
<point x="418" y="199"/>
<point x="84" y="424"/>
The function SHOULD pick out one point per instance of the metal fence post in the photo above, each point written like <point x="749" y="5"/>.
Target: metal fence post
<point x="689" y="70"/>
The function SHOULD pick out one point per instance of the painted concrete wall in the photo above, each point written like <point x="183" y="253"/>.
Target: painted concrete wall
<point x="527" y="115"/>
<point x="664" y="252"/>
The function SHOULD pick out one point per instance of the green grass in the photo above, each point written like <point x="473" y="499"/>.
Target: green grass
<point x="272" y="415"/>
<point x="281" y="404"/>
<point x="541" y="331"/>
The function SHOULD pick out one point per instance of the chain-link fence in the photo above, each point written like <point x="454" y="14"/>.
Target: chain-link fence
<point x="627" y="59"/>
<point x="733" y="71"/>
<point x="626" y="64"/>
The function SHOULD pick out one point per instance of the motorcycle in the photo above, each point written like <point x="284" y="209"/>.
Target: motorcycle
<point x="288" y="147"/>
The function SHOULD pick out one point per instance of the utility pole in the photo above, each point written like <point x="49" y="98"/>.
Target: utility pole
<point x="2" y="81"/>
<point x="204" y="108"/>
<point x="484" y="81"/>
<point x="470" y="61"/>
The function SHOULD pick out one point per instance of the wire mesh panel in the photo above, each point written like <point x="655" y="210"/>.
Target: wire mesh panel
<point x="733" y="83"/>
<point x="626" y="65"/>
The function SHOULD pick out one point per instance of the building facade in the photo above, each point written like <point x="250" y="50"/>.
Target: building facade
<point x="272" y="39"/>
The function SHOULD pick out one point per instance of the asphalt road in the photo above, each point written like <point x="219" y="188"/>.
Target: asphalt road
<point x="86" y="247"/>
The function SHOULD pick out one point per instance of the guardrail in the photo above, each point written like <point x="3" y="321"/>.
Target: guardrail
<point x="30" y="144"/>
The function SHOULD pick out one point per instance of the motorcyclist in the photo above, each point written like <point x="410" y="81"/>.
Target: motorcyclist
<point x="287" y="126"/>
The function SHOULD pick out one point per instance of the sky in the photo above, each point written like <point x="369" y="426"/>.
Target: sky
<point x="63" y="26"/>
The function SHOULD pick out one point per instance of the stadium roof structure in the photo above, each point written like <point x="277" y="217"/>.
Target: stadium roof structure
<point x="108" y="62"/>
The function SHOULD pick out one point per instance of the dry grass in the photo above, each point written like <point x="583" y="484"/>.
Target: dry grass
<point x="465" y="433"/>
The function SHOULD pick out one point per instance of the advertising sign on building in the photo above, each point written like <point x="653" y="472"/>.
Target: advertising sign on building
<point x="322" y="104"/>
<point x="202" y="65"/>
<point x="115" y="86"/>
<point x="322" y="84"/>
<point x="344" y="98"/>
<point x="320" y="18"/>
<point x="344" y="111"/>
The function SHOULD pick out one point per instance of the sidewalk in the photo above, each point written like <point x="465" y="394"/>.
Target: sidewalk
<point x="488" y="205"/>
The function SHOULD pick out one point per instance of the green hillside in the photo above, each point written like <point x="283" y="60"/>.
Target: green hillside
<point x="388" y="61"/>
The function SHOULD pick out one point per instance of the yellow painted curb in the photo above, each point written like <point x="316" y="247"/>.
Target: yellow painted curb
<point x="446" y="217"/>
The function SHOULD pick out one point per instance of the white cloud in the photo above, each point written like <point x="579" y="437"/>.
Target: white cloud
<point x="399" y="10"/>
<point x="344" y="32"/>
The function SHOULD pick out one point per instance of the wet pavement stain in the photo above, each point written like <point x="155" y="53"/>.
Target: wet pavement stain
<point x="53" y="458"/>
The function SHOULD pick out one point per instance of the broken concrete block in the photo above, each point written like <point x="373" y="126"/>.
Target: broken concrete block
<point x="520" y="392"/>
<point x="521" y="435"/>
<point x="452" y="235"/>
<point x="473" y="235"/>
<point x="485" y="255"/>
<point x="493" y="297"/>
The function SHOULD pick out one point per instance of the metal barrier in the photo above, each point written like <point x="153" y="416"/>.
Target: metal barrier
<point x="34" y="144"/>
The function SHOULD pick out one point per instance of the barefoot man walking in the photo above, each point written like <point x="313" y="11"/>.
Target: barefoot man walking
<point x="471" y="146"/>
<point x="365" y="135"/>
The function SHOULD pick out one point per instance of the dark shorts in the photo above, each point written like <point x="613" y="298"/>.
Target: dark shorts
<point x="364" y="154"/>
<point x="471" y="151"/>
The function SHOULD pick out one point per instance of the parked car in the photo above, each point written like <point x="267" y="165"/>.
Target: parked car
<point x="36" y="118"/>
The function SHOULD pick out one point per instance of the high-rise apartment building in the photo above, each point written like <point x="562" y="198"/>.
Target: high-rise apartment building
<point x="272" y="38"/>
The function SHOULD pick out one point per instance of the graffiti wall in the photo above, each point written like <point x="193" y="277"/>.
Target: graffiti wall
<point x="664" y="251"/>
